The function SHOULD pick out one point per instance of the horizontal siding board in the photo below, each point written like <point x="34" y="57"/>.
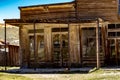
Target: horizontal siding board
<point x="97" y="6"/>
<point x="52" y="15"/>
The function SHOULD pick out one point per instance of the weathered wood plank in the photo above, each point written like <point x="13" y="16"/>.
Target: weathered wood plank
<point x="48" y="44"/>
<point x="74" y="44"/>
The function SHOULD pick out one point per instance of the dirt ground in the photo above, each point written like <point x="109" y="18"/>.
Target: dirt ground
<point x="98" y="75"/>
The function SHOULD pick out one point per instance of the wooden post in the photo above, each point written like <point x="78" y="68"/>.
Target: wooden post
<point x="5" y="56"/>
<point x="103" y="42"/>
<point x="108" y="52"/>
<point x="97" y="44"/>
<point x="20" y="47"/>
<point x="116" y="51"/>
<point x="61" y="57"/>
<point x="80" y="33"/>
<point x="69" y="61"/>
<point x="35" y="60"/>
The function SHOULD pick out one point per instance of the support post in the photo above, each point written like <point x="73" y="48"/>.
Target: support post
<point x="69" y="61"/>
<point x="35" y="60"/>
<point x="97" y="44"/>
<point x="80" y="39"/>
<point x="61" y="54"/>
<point x="116" y="51"/>
<point x="20" y="49"/>
<point x="5" y="56"/>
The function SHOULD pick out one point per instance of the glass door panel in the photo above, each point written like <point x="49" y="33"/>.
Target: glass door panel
<point x="111" y="53"/>
<point x="56" y="47"/>
<point x="60" y="46"/>
<point x="118" y="54"/>
<point x="40" y="47"/>
<point x="64" y="50"/>
<point x="89" y="42"/>
<point x="31" y="44"/>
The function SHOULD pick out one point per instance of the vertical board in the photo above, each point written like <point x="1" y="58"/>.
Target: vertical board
<point x="74" y="44"/>
<point x="47" y="39"/>
<point x="24" y="44"/>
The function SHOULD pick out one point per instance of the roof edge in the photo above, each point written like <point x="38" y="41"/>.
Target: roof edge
<point x="46" y="4"/>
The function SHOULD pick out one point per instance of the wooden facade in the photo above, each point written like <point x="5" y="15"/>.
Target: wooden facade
<point x="73" y="34"/>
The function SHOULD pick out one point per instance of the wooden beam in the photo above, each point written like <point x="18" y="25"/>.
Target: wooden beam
<point x="103" y="41"/>
<point x="80" y="38"/>
<point x="116" y="51"/>
<point x="5" y="57"/>
<point x="97" y="44"/>
<point x="50" y="20"/>
<point x="69" y="61"/>
<point x="35" y="57"/>
<point x="61" y="57"/>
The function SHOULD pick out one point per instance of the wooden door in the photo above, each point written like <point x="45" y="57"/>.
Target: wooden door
<point x="40" y="48"/>
<point x="36" y="52"/>
<point x="88" y="42"/>
<point x="60" y="48"/>
<point x="113" y="52"/>
<point x="31" y="49"/>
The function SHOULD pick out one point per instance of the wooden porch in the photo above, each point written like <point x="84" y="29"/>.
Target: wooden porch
<point x="60" y="46"/>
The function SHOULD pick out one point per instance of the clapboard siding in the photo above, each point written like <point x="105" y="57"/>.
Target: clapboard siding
<point x="47" y="11"/>
<point x="47" y="15"/>
<point x="105" y="9"/>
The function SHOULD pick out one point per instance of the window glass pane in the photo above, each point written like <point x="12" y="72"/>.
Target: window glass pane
<point x="39" y="39"/>
<point x="117" y="25"/>
<point x="55" y="29"/>
<point x="40" y="45"/>
<point x="64" y="29"/>
<point x="56" y="47"/>
<point x="118" y="33"/>
<point x="59" y="29"/>
<point x="119" y="6"/>
<point x="31" y="47"/>
<point x="111" y="34"/>
<point x="112" y="47"/>
<point x="111" y="26"/>
<point x="89" y="41"/>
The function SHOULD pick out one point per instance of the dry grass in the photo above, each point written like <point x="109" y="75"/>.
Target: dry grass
<point x="6" y="76"/>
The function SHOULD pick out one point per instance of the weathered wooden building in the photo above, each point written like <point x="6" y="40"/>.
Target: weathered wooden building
<point x="10" y="55"/>
<point x="73" y="34"/>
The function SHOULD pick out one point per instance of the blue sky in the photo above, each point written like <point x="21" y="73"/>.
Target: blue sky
<point x="9" y="8"/>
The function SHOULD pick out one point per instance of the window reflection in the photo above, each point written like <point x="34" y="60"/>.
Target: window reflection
<point x="40" y="46"/>
<point x="31" y="47"/>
